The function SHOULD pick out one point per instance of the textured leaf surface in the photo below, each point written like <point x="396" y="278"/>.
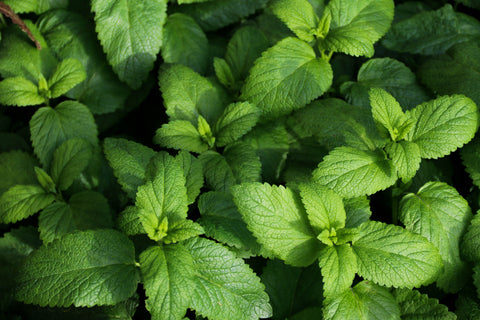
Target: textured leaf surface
<point x="236" y="120"/>
<point x="286" y="77"/>
<point x="357" y="25"/>
<point x="276" y="217"/>
<point x="226" y="287"/>
<point x="339" y="266"/>
<point x="416" y="306"/>
<point x="392" y="256"/>
<point x="406" y="158"/>
<point x="357" y="211"/>
<point x="50" y="127"/>
<point x="298" y="15"/>
<point x="131" y="35"/>
<point x="180" y="135"/>
<point x="244" y="162"/>
<point x="84" y="269"/>
<point x="129" y="222"/>
<point x="443" y="125"/>
<point x="167" y="275"/>
<point x="67" y="75"/>
<point x="471" y="240"/>
<point x="21" y="201"/>
<point x="386" y="112"/>
<point x="217" y="172"/>
<point x="193" y="172"/>
<point x="18" y="91"/>
<point x="129" y="161"/>
<point x="441" y="215"/>
<point x="351" y="172"/>
<point x="364" y="301"/>
<point x="182" y="230"/>
<point x="16" y="167"/>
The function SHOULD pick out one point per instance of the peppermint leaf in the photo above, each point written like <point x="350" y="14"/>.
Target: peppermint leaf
<point x="339" y="266"/>
<point x="180" y="134"/>
<point x="406" y="158"/>
<point x="67" y="75"/>
<point x="471" y="240"/>
<point x="298" y="15"/>
<point x="416" y="306"/>
<point x="193" y="172"/>
<point x="18" y="91"/>
<point x="236" y="121"/>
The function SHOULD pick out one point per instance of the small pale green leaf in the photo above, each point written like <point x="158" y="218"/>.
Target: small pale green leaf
<point x="129" y="161"/>
<point x="167" y="275"/>
<point x="237" y="119"/>
<point x="471" y="240"/>
<point x="182" y="135"/>
<point x="356" y="25"/>
<point x="69" y="160"/>
<point x="224" y="73"/>
<point x="416" y="306"/>
<point x="443" y="125"/>
<point x="276" y="217"/>
<point x="16" y="167"/>
<point x="392" y="256"/>
<point x="406" y="158"/>
<point x="193" y="172"/>
<point x="18" y="91"/>
<point x="84" y="269"/>
<point x="45" y="180"/>
<point x="226" y="288"/>
<point x="386" y="112"/>
<point x="339" y="266"/>
<point x="286" y="77"/>
<point x="205" y="131"/>
<point x="183" y="230"/>
<point x="351" y="172"/>
<point x="131" y="35"/>
<point x="21" y="201"/>
<point x="298" y="15"/>
<point x="324" y="207"/>
<point x="67" y="75"/>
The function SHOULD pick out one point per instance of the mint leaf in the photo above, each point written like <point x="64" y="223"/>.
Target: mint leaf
<point x="69" y="160"/>
<point x="244" y="162"/>
<point x="324" y="207"/>
<point x="357" y="211"/>
<point x="167" y="275"/>
<point x="351" y="172"/>
<point x="339" y="266"/>
<point x="50" y="127"/>
<point x="441" y="215"/>
<point x="180" y="134"/>
<point x="469" y="155"/>
<point x="406" y="158"/>
<point x="431" y="32"/>
<point x="67" y="75"/>
<point x="129" y="161"/>
<point x="416" y="306"/>
<point x="16" y="167"/>
<point x="45" y="180"/>
<point x="184" y="42"/>
<point x="21" y="201"/>
<point x="193" y="172"/>
<point x="237" y="119"/>
<point x="129" y="221"/>
<point x="219" y="292"/>
<point x="18" y="91"/>
<point x="182" y="230"/>
<point x="298" y="15"/>
<point x="217" y="172"/>
<point x="356" y="25"/>
<point x="131" y="35"/>
<point x="364" y="301"/>
<point x="392" y="256"/>
<point x="286" y="77"/>
<point x="471" y="240"/>
<point x="443" y="125"/>
<point x="278" y="220"/>
<point x="84" y="269"/>
<point x="25" y="6"/>
<point x="224" y="73"/>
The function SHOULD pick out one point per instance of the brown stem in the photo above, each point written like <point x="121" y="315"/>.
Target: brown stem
<point x="8" y="12"/>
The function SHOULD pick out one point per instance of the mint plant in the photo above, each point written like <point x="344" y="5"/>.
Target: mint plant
<point x="239" y="159"/>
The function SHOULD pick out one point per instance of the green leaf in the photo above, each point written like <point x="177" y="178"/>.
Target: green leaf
<point x="324" y="207"/>
<point x="364" y="301"/>
<point x="470" y="153"/>
<point x="167" y="275"/>
<point x="217" y="172"/>
<point x="431" y="32"/>
<point x="356" y="25"/>
<point x="221" y="221"/>
<point x="187" y="95"/>
<point x="471" y="240"/>
<point x="55" y="221"/>
<point x="18" y="91"/>
<point x="286" y="77"/>
<point x="50" y="127"/>
<point x="193" y="172"/>
<point x="277" y="219"/>
<point x="244" y="162"/>
<point x="389" y="74"/>
<point x="224" y="73"/>
<point x="299" y="16"/>
<point x="129" y="222"/>
<point x="443" y="125"/>
<point x="357" y="211"/>
<point x="406" y="158"/>
<point x="184" y="42"/>
<point x="392" y="256"/>
<point x="67" y="75"/>
<point x="291" y="289"/>
<point x="37" y="6"/>
<point x="16" y="167"/>
<point x="21" y="201"/>
<point x="129" y="161"/>
<point x="339" y="266"/>
<point x="226" y="288"/>
<point x="69" y="160"/>
<point x="183" y="230"/>
<point x="181" y="135"/>
<point x="416" y="306"/>
<point x="351" y="172"/>
<point x="205" y="131"/>
<point x="84" y="269"/>
<point x="45" y="180"/>
<point x="163" y="197"/>
<point x="131" y="36"/>
<point x="237" y="119"/>
<point x="441" y="215"/>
